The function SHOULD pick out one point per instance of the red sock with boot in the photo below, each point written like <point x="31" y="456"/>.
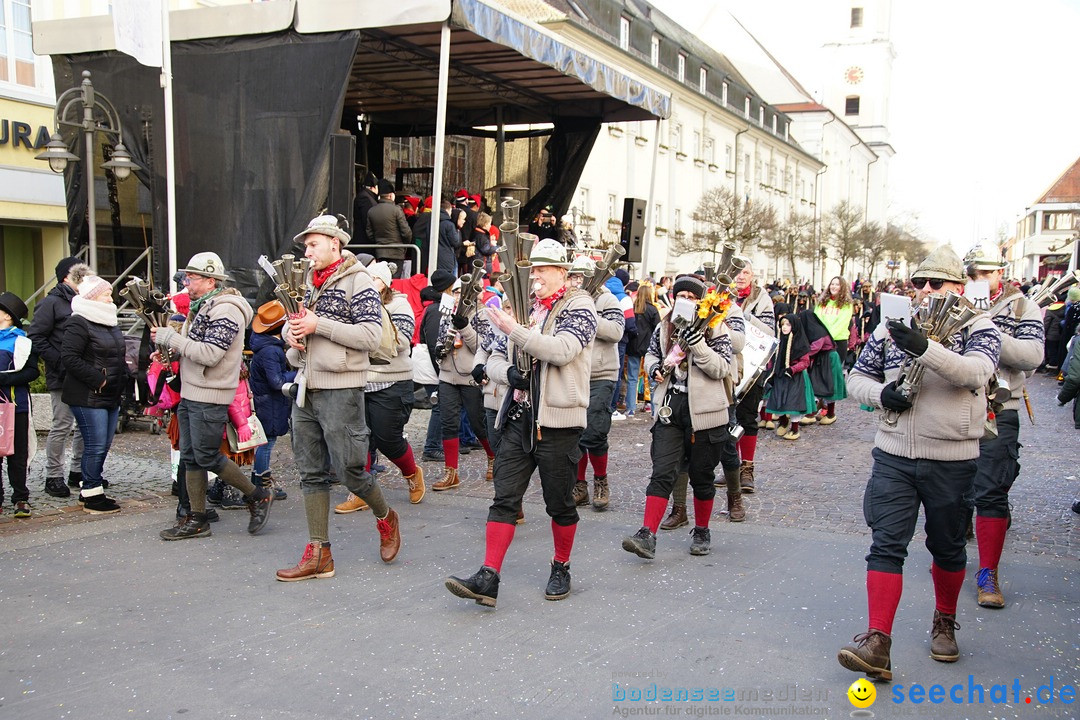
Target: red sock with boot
<point x="563" y="535"/>
<point x="747" y="446"/>
<point x="702" y="512"/>
<point x="599" y="464"/>
<point x="582" y="466"/>
<point x="450" y="452"/>
<point x="655" y="507"/>
<point x="883" y="597"/>
<point x="406" y="463"/>
<point x="990" y="532"/>
<point x="499" y="537"/>
<point x="487" y="448"/>
<point x="947" y="587"/>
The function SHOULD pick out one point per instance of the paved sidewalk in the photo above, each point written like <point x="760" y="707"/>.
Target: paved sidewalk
<point x="104" y="620"/>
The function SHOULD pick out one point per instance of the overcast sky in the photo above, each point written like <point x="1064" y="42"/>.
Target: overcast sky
<point x="985" y="104"/>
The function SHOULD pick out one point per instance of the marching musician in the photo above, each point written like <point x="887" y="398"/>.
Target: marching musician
<point x="605" y="368"/>
<point x="455" y="351"/>
<point x="927" y="457"/>
<point x="494" y="392"/>
<point x="541" y="419"/>
<point x="690" y="424"/>
<point x="757" y="308"/>
<point x="1019" y="321"/>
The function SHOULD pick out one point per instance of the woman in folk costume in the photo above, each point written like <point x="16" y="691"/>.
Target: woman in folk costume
<point x="826" y="373"/>
<point x="790" y="395"/>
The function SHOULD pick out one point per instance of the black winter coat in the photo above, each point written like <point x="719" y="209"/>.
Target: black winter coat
<point x="646" y="322"/>
<point x="268" y="371"/>
<point x="386" y="226"/>
<point x="47" y="332"/>
<point x="93" y="353"/>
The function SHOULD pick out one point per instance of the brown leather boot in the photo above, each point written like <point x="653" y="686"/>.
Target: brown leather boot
<point x="315" y="563"/>
<point x="449" y="480"/>
<point x="735" y="509"/>
<point x="871" y="656"/>
<point x="746" y="476"/>
<point x="581" y="493"/>
<point x="676" y="519"/>
<point x="417" y="489"/>
<point x="600" y="493"/>
<point x="389" y="536"/>
<point x="943" y="638"/>
<point x="490" y="469"/>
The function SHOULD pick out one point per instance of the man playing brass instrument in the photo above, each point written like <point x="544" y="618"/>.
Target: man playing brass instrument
<point x="927" y="457"/>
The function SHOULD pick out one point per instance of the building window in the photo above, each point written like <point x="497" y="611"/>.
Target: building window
<point x="746" y="108"/>
<point x="710" y="150"/>
<point x="856" y="17"/>
<point x="746" y="166"/>
<point x="624" y="33"/>
<point x="703" y="79"/>
<point x="583" y="201"/>
<point x="18" y="64"/>
<point x="682" y="67"/>
<point x="676" y="137"/>
<point x="612" y="212"/>
<point x="761" y="116"/>
<point x="757" y="169"/>
<point x="773" y="124"/>
<point x="456" y="172"/>
<point x="723" y="93"/>
<point x="851" y="105"/>
<point x="728" y="158"/>
<point x="1057" y="221"/>
<point x="654" y="53"/>
<point x="658" y="215"/>
<point x="697" y="145"/>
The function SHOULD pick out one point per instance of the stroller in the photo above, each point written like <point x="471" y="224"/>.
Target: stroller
<point x="135" y="396"/>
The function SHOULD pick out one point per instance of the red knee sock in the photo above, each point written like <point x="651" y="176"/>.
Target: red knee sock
<point x="762" y="414"/>
<point x="406" y="463"/>
<point x="450" y="451"/>
<point x="370" y="457"/>
<point x="702" y="512"/>
<point x="882" y="597"/>
<point x="655" y="507"/>
<point x="794" y="427"/>
<point x="487" y="448"/>
<point x="563" y="535"/>
<point x="499" y="537"/>
<point x="582" y="466"/>
<point x="747" y="445"/>
<point x="830" y="408"/>
<point x="990" y="533"/>
<point x="946" y="588"/>
<point x="599" y="464"/>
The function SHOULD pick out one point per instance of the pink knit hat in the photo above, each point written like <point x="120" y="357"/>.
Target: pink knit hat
<point x="93" y="287"/>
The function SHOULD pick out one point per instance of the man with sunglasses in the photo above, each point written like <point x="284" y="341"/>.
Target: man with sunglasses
<point x="928" y="457"/>
<point x="1020" y="322"/>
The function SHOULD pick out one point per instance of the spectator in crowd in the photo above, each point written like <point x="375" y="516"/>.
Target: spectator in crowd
<point x="18" y="367"/>
<point x="386" y="226"/>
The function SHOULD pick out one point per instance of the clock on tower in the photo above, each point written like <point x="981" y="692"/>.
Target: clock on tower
<point x="853" y="75"/>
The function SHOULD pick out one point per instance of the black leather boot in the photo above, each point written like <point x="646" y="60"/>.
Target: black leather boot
<point x="483" y="586"/>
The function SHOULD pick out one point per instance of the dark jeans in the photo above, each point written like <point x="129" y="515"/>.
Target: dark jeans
<point x="202" y="426"/>
<point x="746" y="412"/>
<point x="897" y="487"/>
<point x="97" y="427"/>
<point x="387" y="412"/>
<point x="494" y="436"/>
<point x="330" y="431"/>
<point x="999" y="466"/>
<point x="556" y="454"/>
<point x="16" y="463"/>
<point x="677" y="443"/>
<point x="451" y="399"/>
<point x="433" y="442"/>
<point x="598" y="423"/>
<point x="617" y="394"/>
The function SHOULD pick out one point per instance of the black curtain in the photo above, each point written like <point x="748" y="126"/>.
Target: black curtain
<point x="568" y="150"/>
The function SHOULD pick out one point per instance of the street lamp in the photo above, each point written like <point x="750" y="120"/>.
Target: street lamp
<point x="98" y="114"/>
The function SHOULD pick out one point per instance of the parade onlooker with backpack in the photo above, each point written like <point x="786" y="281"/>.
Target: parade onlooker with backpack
<point x="47" y="333"/>
<point x="94" y="355"/>
<point x="18" y="367"/>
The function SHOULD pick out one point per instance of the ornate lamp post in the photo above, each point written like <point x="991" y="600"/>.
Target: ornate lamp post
<point x="97" y="114"/>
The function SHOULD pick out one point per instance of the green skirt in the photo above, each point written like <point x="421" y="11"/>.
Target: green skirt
<point x="839" y="385"/>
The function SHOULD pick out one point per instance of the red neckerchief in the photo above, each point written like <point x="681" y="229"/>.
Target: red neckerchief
<point x="321" y="276"/>
<point x="1001" y="289"/>
<point x="549" y="302"/>
<point x="743" y="294"/>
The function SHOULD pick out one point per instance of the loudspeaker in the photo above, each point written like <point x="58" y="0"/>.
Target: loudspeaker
<point x="342" y="191"/>
<point x="633" y="228"/>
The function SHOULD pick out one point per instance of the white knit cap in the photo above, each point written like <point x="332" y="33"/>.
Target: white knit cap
<point x="93" y="287"/>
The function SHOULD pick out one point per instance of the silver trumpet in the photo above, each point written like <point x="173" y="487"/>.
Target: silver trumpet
<point x="514" y="259"/>
<point x="472" y="284"/>
<point x="152" y="306"/>
<point x="290" y="291"/>
<point x="1048" y="295"/>
<point x="940" y="319"/>
<point x="729" y="267"/>
<point x="605" y="270"/>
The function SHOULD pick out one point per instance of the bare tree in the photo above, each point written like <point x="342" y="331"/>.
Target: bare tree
<point x="792" y="240"/>
<point x="721" y="217"/>
<point x="843" y="232"/>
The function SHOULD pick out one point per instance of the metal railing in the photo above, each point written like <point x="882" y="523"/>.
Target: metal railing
<point x="30" y="301"/>
<point x="371" y="248"/>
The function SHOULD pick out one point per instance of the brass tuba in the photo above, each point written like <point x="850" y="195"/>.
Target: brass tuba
<point x="729" y="267"/>
<point x="1049" y="294"/>
<point x="514" y="249"/>
<point x="605" y="270"/>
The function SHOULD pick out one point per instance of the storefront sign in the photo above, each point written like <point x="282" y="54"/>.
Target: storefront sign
<point x="21" y="134"/>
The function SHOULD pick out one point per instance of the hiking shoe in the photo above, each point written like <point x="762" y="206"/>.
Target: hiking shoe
<point x="676" y="519"/>
<point x="55" y="486"/>
<point x="193" y="526"/>
<point x="449" y="480"/>
<point x="214" y="493"/>
<point x="417" y="488"/>
<point x="989" y="589"/>
<point x="258" y="505"/>
<point x="352" y="504"/>
<point x="389" y="536"/>
<point x="943" y="638"/>
<point x="232" y="499"/>
<point x="22" y="509"/>
<point x="642" y="543"/>
<point x="581" y="493"/>
<point x="482" y="586"/>
<point x="601" y="496"/>
<point x="701" y="542"/>
<point x="558" y="585"/>
<point x="870" y="655"/>
<point x="316" y="562"/>
<point x="436" y="456"/>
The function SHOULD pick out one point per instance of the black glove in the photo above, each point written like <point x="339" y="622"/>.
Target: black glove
<point x="892" y="399"/>
<point x="516" y="379"/>
<point x="654" y="370"/>
<point x="693" y="337"/>
<point x="478" y="375"/>
<point x="909" y="339"/>
<point x="441" y="352"/>
<point x="290" y="390"/>
<point x="459" y="321"/>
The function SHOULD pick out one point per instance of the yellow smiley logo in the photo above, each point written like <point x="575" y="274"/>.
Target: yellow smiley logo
<point x="862" y="693"/>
